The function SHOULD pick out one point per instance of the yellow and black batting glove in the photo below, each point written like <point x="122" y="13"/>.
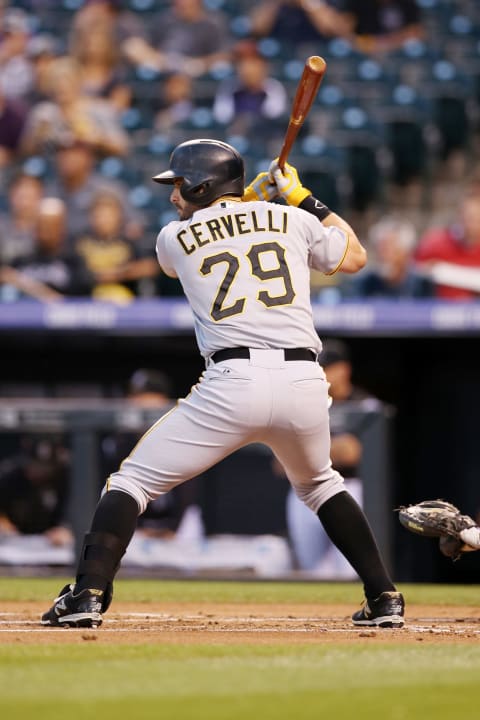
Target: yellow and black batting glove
<point x="261" y="188"/>
<point x="288" y="183"/>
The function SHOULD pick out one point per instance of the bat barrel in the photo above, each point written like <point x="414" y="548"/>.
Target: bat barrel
<point x="308" y="85"/>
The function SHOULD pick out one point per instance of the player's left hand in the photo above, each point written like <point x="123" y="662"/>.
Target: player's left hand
<point x="288" y="183"/>
<point x="261" y="188"/>
<point x="59" y="536"/>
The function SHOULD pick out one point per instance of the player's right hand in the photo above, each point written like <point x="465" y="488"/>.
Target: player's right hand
<point x="288" y="183"/>
<point x="261" y="188"/>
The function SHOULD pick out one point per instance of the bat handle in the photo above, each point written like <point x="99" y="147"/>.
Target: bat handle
<point x="283" y="157"/>
<point x="285" y="152"/>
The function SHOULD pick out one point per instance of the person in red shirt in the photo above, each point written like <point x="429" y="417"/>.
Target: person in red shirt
<point x="451" y="255"/>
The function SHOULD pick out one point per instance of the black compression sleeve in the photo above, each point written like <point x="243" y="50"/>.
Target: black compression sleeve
<point x="315" y="207"/>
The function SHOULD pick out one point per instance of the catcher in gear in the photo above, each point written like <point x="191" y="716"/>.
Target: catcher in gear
<point x="440" y="519"/>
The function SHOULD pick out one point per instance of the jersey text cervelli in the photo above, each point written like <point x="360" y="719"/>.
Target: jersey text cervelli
<point x="198" y="234"/>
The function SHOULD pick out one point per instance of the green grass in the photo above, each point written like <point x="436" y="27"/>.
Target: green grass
<point x="241" y="592"/>
<point x="361" y="679"/>
<point x="239" y="681"/>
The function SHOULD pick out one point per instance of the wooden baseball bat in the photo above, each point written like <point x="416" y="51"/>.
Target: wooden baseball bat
<point x="307" y="88"/>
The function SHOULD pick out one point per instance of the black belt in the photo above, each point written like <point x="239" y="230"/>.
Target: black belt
<point x="243" y="352"/>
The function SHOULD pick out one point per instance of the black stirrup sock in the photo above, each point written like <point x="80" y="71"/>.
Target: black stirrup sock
<point x="347" y="527"/>
<point x="113" y="525"/>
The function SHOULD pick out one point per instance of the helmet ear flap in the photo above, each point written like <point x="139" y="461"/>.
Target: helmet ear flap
<point x="194" y="193"/>
<point x="185" y="188"/>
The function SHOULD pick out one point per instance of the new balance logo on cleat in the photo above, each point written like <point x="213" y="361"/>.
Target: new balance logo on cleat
<point x="81" y="610"/>
<point x="386" y="611"/>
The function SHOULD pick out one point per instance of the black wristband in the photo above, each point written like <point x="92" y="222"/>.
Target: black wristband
<point x="315" y="207"/>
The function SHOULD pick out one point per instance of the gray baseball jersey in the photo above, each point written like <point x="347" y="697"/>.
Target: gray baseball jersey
<point x="244" y="268"/>
<point x="245" y="271"/>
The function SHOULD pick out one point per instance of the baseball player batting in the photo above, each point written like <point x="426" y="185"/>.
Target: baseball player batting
<point x="244" y="264"/>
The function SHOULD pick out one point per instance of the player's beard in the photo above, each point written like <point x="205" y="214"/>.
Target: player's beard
<point x="185" y="211"/>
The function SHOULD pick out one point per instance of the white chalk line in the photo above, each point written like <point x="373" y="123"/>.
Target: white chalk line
<point x="370" y="632"/>
<point x="133" y="617"/>
<point x="215" y="624"/>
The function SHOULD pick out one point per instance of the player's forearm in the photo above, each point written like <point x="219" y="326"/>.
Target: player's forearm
<point x="263" y="17"/>
<point x="334" y="219"/>
<point x="141" y="268"/>
<point x="28" y="285"/>
<point x="326" y="19"/>
<point x="345" y="449"/>
<point x="388" y="41"/>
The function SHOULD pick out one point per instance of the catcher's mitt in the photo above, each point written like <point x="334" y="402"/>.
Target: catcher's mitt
<point x="438" y="518"/>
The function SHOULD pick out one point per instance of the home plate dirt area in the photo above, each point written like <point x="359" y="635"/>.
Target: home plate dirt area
<point x="209" y="623"/>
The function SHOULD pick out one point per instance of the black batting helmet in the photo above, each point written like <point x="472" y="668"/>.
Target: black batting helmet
<point x="208" y="169"/>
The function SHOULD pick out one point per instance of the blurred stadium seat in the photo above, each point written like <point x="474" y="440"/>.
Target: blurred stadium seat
<point x="323" y="166"/>
<point x="405" y="114"/>
<point x="449" y="89"/>
<point x="361" y="136"/>
<point x="364" y="106"/>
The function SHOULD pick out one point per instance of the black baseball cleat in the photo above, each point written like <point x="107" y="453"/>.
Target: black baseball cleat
<point x="82" y="611"/>
<point x="386" y="611"/>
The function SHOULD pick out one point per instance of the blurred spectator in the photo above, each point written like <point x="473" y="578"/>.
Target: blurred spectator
<point x="312" y="548"/>
<point x="151" y="389"/>
<point x="123" y="23"/>
<point x="451" y="254"/>
<point x="175" y="103"/>
<point x="42" y="50"/>
<point x="186" y="37"/>
<point x="18" y="224"/>
<point x="336" y="360"/>
<point x="393" y="274"/>
<point x="16" y="75"/>
<point x="51" y="272"/>
<point x="34" y="485"/>
<point x="252" y="95"/>
<point x="382" y="26"/>
<point x="12" y="119"/>
<point x="297" y="21"/>
<point x="98" y="56"/>
<point x="71" y="114"/>
<point x="76" y="181"/>
<point x="113" y="259"/>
